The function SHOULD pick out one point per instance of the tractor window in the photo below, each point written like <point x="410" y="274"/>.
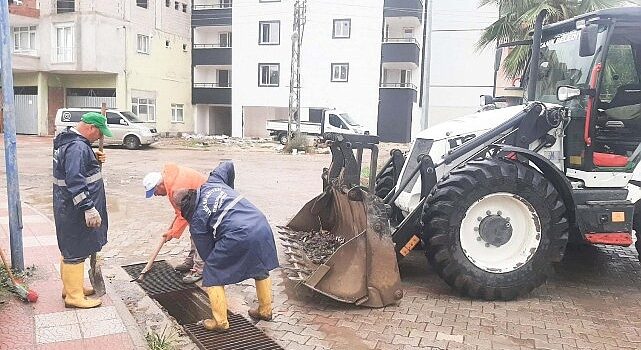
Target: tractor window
<point x="560" y="64"/>
<point x="619" y="71"/>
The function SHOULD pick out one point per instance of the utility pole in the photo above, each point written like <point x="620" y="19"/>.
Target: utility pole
<point x="427" y="64"/>
<point x="294" y="81"/>
<point x="10" y="150"/>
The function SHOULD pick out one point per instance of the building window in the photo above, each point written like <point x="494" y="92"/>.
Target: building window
<point x="224" y="39"/>
<point x="144" y="108"/>
<point x="268" y="74"/>
<point x="143" y="44"/>
<point x="64" y="6"/>
<point x="340" y="72"/>
<point x="185" y="47"/>
<point x="185" y="8"/>
<point x="342" y="28"/>
<point x="168" y="3"/>
<point x="177" y="113"/>
<point x="24" y="39"/>
<point x="225" y="4"/>
<point x="177" y="5"/>
<point x="269" y="33"/>
<point x="142" y="3"/>
<point x="167" y="44"/>
<point x="63" y="48"/>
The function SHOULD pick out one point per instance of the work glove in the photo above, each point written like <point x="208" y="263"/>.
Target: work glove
<point x="92" y="218"/>
<point x="101" y="156"/>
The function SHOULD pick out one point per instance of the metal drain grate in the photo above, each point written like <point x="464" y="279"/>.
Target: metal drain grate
<point x="162" y="278"/>
<point x="189" y="304"/>
<point x="242" y="335"/>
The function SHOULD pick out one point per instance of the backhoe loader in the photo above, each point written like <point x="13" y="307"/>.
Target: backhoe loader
<point x="494" y="197"/>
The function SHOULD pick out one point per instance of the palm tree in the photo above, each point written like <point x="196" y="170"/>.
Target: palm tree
<point x="516" y="21"/>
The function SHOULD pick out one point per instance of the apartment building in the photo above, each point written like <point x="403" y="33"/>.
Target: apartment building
<point x="457" y="72"/>
<point x="401" y="69"/>
<point x="130" y="54"/>
<point x="363" y="57"/>
<point x="242" y="82"/>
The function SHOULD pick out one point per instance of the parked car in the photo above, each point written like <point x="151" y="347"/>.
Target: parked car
<point x="331" y="121"/>
<point x="127" y="128"/>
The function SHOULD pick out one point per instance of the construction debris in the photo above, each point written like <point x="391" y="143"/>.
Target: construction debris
<point x="319" y="246"/>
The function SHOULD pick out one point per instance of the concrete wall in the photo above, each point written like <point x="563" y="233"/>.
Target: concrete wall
<point x="459" y="73"/>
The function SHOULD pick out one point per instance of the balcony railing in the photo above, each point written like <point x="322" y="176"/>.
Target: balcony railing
<point x="212" y="6"/>
<point x="399" y="85"/>
<point x="212" y="85"/>
<point x="401" y="40"/>
<point x="62" y="55"/>
<point x="211" y="46"/>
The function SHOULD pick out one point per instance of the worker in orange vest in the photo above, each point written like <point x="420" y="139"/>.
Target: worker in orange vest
<point x="172" y="178"/>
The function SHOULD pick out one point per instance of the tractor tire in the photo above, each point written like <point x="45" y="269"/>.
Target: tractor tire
<point x="385" y="182"/>
<point x="493" y="229"/>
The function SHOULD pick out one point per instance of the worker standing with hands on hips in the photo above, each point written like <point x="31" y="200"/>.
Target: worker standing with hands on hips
<point x="79" y="203"/>
<point x="175" y="177"/>
<point x="235" y="240"/>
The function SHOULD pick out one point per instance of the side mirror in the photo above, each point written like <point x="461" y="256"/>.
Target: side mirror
<point x="123" y="122"/>
<point x="587" y="44"/>
<point x="566" y="93"/>
<point x="486" y="100"/>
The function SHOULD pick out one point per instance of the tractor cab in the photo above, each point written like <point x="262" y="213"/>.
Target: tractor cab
<point x="592" y="65"/>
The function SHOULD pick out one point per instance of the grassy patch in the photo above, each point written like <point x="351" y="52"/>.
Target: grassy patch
<point x="162" y="341"/>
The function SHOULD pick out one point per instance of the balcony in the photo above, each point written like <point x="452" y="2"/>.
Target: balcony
<point x="401" y="50"/>
<point x="211" y="54"/>
<point x="395" y="114"/>
<point x="403" y="8"/>
<point x="211" y="13"/>
<point x="211" y="93"/>
<point x="399" y="86"/>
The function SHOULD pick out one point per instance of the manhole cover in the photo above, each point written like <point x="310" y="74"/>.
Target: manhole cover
<point x="161" y="278"/>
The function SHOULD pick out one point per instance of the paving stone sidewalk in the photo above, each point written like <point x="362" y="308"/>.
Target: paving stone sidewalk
<point x="47" y="324"/>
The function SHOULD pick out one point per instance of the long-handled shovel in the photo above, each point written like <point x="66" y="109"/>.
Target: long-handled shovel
<point x="151" y="260"/>
<point x="95" y="272"/>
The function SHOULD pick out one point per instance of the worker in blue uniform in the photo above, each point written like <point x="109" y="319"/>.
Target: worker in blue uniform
<point x="235" y="240"/>
<point x="79" y="203"/>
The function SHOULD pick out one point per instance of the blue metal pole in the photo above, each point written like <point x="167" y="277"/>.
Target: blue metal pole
<point x="10" y="149"/>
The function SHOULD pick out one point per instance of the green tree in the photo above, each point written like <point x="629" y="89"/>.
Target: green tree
<point x="516" y="21"/>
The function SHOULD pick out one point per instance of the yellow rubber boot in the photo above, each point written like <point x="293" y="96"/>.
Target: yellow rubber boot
<point x="264" y="293"/>
<point x="85" y="290"/>
<point x="72" y="279"/>
<point x="218" y="303"/>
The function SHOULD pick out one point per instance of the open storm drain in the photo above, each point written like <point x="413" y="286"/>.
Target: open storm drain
<point x="189" y="304"/>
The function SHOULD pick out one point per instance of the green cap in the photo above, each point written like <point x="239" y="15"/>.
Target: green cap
<point x="98" y="120"/>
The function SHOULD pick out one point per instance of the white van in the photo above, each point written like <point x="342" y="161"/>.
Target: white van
<point x="126" y="127"/>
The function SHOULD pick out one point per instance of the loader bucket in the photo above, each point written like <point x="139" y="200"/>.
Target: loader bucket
<point x="339" y="244"/>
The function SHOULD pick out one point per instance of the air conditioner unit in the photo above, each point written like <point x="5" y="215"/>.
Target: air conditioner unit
<point x="17" y="2"/>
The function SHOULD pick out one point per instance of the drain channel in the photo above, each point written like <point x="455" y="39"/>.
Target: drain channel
<point x="189" y="304"/>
